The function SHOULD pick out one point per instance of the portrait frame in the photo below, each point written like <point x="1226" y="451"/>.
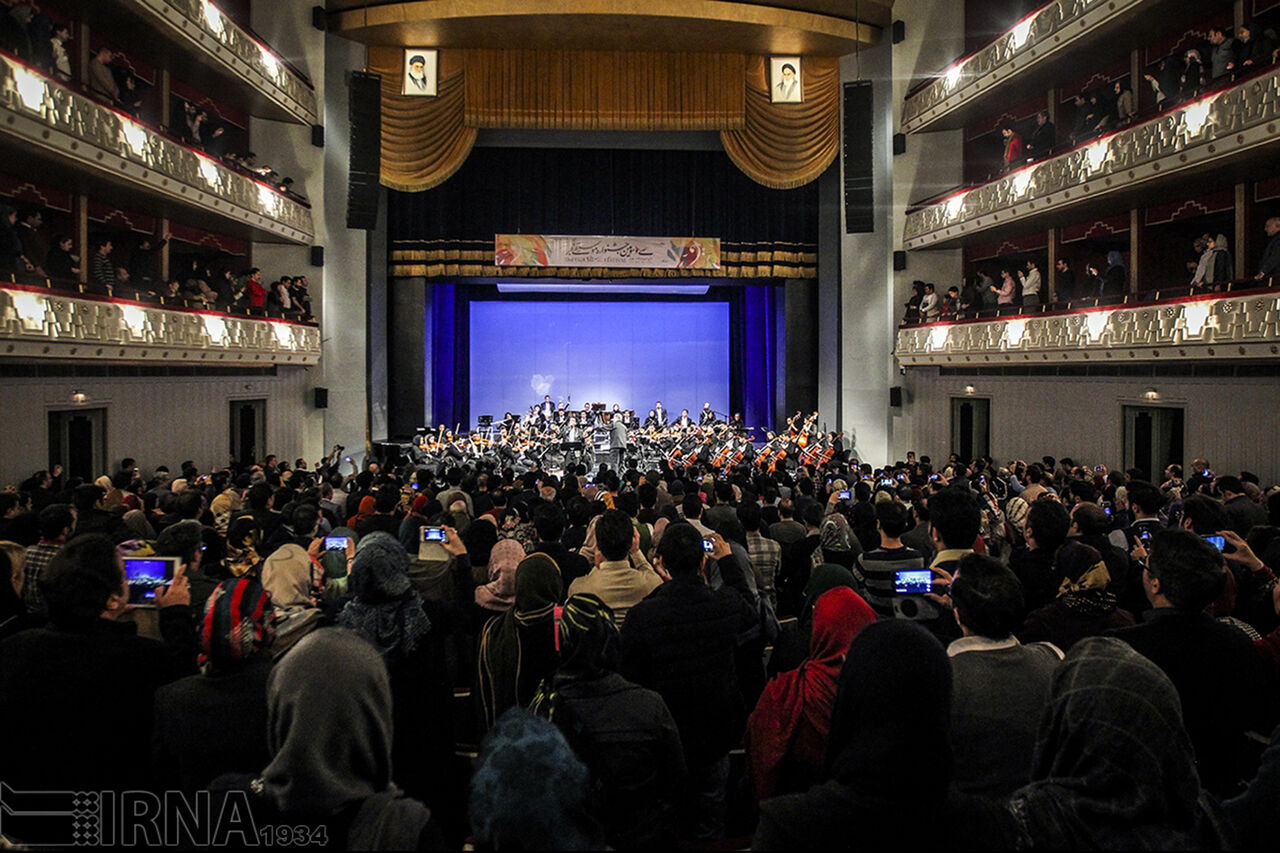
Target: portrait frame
<point x="784" y="89"/>
<point x="409" y="84"/>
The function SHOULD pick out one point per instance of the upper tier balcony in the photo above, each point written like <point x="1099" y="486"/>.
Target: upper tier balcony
<point x="1242" y="324"/>
<point x="1036" y="53"/>
<point x="1208" y="143"/>
<point x="68" y="137"/>
<point x="38" y="323"/>
<point x="214" y="52"/>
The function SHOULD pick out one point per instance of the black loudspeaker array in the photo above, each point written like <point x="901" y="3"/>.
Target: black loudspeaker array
<point x="895" y="396"/>
<point x="322" y="398"/>
<point x="859" y="206"/>
<point x="365" y="112"/>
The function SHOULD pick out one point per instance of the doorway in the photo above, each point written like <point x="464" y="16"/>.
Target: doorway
<point x="1152" y="439"/>
<point x="248" y="430"/>
<point x="78" y="442"/>
<point x="970" y="427"/>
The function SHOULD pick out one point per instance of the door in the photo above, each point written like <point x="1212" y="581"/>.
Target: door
<point x="1152" y="439"/>
<point x="78" y="442"/>
<point x="970" y="427"/>
<point x="248" y="430"/>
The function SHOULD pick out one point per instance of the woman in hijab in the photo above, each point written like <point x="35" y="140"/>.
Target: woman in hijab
<point x="888" y="753"/>
<point x="333" y="691"/>
<point x="1113" y="767"/>
<point x="290" y="578"/>
<point x="623" y="732"/>
<point x="1115" y="281"/>
<point x="243" y="538"/>
<point x="499" y="594"/>
<point x="787" y="733"/>
<point x="413" y="523"/>
<point x="529" y="791"/>
<point x="386" y="611"/>
<point x="518" y="649"/>
<point x="480" y="539"/>
<point x="364" y="511"/>
<point x="1220" y="269"/>
<point x="791" y="649"/>
<point x="136" y="525"/>
<point x="1084" y="607"/>
<point x="212" y="723"/>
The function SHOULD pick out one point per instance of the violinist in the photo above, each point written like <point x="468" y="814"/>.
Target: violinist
<point x="684" y="421"/>
<point x="708" y="417"/>
<point x="652" y="423"/>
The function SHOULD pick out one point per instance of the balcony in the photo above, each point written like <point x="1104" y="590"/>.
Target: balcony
<point x="1029" y="58"/>
<point x="35" y="323"/>
<point x="1229" y="131"/>
<point x="72" y="138"/>
<point x="214" y="52"/>
<point x="1233" y="326"/>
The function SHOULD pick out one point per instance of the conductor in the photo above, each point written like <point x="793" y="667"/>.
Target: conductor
<point x="617" y="439"/>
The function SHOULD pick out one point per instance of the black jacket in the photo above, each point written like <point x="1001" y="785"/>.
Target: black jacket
<point x="78" y="703"/>
<point x="680" y="641"/>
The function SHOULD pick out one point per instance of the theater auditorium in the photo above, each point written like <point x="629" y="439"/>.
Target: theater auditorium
<point x="707" y="424"/>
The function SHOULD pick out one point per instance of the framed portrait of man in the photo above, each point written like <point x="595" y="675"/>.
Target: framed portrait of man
<point x="419" y="72"/>
<point x="784" y="80"/>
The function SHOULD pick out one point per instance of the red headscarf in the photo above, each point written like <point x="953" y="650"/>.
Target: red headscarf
<point x="365" y="510"/>
<point x="793" y="717"/>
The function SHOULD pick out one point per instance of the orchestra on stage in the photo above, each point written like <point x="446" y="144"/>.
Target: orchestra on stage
<point x="553" y="437"/>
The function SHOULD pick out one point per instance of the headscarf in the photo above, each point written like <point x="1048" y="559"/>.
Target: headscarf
<point x="836" y="534"/>
<point x="329" y="731"/>
<point x="287" y="575"/>
<point x="385" y="610"/>
<point x="1113" y="766"/>
<point x="1115" y="259"/>
<point x="500" y="592"/>
<point x="826" y="577"/>
<point x="221" y="508"/>
<point x="243" y="538"/>
<point x="529" y="790"/>
<point x="587" y="637"/>
<point x="889" y="740"/>
<point x="365" y="509"/>
<point x="335" y="562"/>
<point x="805" y="698"/>
<point x="135" y="520"/>
<point x="517" y="648"/>
<point x="1085" y="579"/>
<point x="236" y="625"/>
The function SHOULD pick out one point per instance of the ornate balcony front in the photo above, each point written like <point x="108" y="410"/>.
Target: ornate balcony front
<point x="1228" y="128"/>
<point x="78" y="139"/>
<point x="212" y="40"/>
<point x="38" y="324"/>
<point x="1024" y="56"/>
<point x="1233" y="326"/>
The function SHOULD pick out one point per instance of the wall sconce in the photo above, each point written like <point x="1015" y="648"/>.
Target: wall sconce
<point x="79" y="397"/>
<point x="1151" y="394"/>
<point x="969" y="389"/>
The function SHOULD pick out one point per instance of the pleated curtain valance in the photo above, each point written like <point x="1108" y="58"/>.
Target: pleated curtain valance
<point x="781" y="146"/>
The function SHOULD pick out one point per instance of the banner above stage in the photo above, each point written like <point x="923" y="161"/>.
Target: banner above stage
<point x="559" y="250"/>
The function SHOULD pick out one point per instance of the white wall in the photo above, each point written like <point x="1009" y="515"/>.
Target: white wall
<point x="1232" y="422"/>
<point x="156" y="420"/>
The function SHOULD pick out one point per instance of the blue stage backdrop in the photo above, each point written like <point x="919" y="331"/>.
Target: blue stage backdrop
<point x="631" y="353"/>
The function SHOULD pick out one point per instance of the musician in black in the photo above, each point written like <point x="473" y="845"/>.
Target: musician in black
<point x="736" y="424"/>
<point x="708" y="416"/>
<point x="660" y="413"/>
<point x="652" y="422"/>
<point x="617" y="438"/>
<point x="684" y="421"/>
<point x="546" y="409"/>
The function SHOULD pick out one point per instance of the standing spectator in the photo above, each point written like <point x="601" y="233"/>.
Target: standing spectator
<point x="1005" y="292"/>
<point x="1222" y="56"/>
<point x="102" y="270"/>
<point x="1040" y="144"/>
<point x="58" y="46"/>
<point x="1115" y="281"/>
<point x="1125" y="108"/>
<point x="1066" y="287"/>
<point x="1219" y="270"/>
<point x="1030" y="285"/>
<point x="102" y="82"/>
<point x="1013" y="156"/>
<point x="1269" y="266"/>
<point x="1192" y="76"/>
<point x="144" y="268"/>
<point x="34" y="248"/>
<point x="61" y="264"/>
<point x="929" y="306"/>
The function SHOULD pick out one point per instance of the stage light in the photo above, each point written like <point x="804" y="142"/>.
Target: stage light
<point x="970" y="390"/>
<point x="79" y="397"/>
<point x="1151" y="394"/>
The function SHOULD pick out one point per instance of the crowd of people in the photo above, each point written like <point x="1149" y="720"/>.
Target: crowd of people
<point x="1040" y="656"/>
<point x="1210" y="268"/>
<point x="28" y="252"/>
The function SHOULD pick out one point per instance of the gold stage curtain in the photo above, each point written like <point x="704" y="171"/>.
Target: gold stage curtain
<point x="424" y="140"/>
<point x="599" y="90"/>
<point x="784" y="146"/>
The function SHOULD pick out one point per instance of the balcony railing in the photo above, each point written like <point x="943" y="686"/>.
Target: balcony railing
<point x="1047" y="32"/>
<point x="1236" y="325"/>
<point x="1219" y="128"/>
<point x="45" y="115"/>
<point x="201" y="25"/>
<point x="39" y="324"/>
